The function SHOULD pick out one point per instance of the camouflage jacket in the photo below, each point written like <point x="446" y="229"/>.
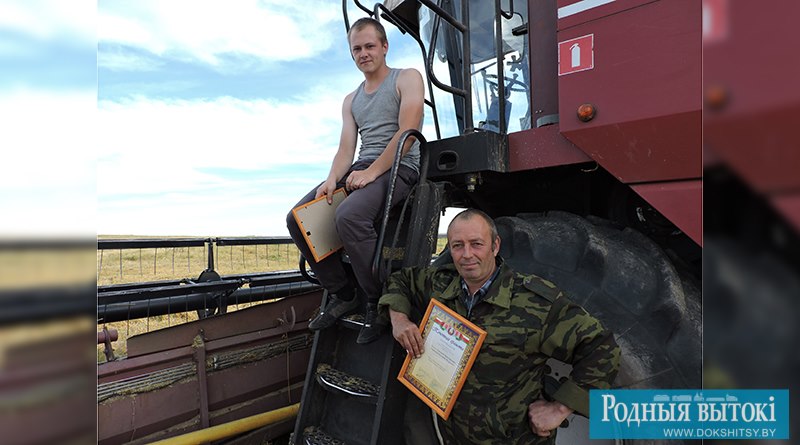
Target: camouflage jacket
<point x="527" y="320"/>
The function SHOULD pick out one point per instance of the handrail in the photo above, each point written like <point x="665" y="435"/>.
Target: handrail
<point x="142" y="294"/>
<point x="149" y="243"/>
<point x="109" y="312"/>
<point x="510" y="13"/>
<point x="466" y="57"/>
<point x="304" y="272"/>
<point x="429" y="64"/>
<point x="18" y="306"/>
<point x="390" y="191"/>
<point x="346" y="18"/>
<point x="207" y="243"/>
<point x="445" y="15"/>
<point x="501" y="83"/>
<point x="362" y="7"/>
<point x="429" y="71"/>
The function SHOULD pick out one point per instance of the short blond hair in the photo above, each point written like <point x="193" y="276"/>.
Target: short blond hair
<point x="367" y="21"/>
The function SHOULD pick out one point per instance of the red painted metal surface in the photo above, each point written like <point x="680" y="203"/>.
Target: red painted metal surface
<point x="789" y="206"/>
<point x="760" y="146"/>
<point x="63" y="418"/>
<point x="646" y="86"/>
<point x="681" y="200"/>
<point x="646" y="150"/>
<point x="542" y="147"/>
<point x="46" y="386"/>
<point x="748" y="60"/>
<point x="593" y="13"/>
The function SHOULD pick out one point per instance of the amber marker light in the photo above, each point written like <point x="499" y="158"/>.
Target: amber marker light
<point x="716" y="97"/>
<point x="586" y="112"/>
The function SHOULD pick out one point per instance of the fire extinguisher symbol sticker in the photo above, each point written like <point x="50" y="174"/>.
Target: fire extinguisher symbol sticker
<point x="575" y="53"/>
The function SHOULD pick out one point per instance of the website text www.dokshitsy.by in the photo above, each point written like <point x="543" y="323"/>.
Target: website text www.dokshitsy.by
<point x="719" y="433"/>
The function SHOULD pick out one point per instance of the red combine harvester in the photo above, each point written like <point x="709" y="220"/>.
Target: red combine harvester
<point x="576" y="125"/>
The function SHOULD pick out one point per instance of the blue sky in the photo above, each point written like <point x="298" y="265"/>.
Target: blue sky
<point x="214" y="118"/>
<point x="171" y="117"/>
<point x="47" y="109"/>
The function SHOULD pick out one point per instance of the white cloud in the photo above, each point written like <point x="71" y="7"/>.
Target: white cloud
<point x="155" y="156"/>
<point x="48" y="162"/>
<point x="50" y="19"/>
<point x="204" y="30"/>
<point x="229" y="209"/>
<point x="47" y="137"/>
<point x="153" y="139"/>
<point x="119" y="61"/>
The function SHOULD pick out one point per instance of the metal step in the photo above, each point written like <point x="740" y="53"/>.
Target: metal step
<point x="314" y="435"/>
<point x="335" y="380"/>
<point x="352" y="321"/>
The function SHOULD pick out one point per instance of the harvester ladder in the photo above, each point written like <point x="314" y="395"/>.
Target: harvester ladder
<point x="351" y="394"/>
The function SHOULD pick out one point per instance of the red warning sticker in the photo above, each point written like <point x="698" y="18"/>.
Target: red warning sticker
<point x="576" y="55"/>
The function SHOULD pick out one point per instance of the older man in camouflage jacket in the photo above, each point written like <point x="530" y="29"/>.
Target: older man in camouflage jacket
<point x="527" y="320"/>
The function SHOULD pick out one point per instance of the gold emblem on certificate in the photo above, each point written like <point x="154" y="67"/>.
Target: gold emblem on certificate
<point x="451" y="343"/>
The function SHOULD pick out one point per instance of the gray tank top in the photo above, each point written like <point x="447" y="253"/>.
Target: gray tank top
<point x="376" y="115"/>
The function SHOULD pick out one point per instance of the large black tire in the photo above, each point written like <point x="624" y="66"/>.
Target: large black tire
<point x="751" y="304"/>
<point x="626" y="281"/>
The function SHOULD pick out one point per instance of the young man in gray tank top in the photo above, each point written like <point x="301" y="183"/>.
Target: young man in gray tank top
<point x="388" y="102"/>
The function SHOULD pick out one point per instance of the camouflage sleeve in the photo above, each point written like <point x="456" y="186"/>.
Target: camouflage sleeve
<point x="573" y="336"/>
<point x="403" y="290"/>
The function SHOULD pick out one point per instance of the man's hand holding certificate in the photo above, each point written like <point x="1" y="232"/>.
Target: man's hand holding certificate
<point x="440" y="356"/>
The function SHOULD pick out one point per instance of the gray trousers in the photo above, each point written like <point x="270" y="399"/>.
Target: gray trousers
<point x="357" y="219"/>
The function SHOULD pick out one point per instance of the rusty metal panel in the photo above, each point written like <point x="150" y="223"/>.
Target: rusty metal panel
<point x="234" y="393"/>
<point x="160" y="362"/>
<point x="262" y="316"/>
<point x="255" y="360"/>
<point x="126" y="418"/>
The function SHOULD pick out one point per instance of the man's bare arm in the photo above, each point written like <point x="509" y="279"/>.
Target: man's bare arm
<point x="346" y="152"/>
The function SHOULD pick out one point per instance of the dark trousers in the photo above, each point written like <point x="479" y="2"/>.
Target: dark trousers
<point x="357" y="219"/>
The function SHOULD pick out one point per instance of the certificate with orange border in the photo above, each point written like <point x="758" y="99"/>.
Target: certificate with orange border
<point x="451" y="344"/>
<point x="315" y="219"/>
